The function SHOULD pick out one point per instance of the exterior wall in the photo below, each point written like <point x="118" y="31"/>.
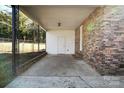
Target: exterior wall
<point x="52" y="45"/>
<point x="78" y="52"/>
<point x="77" y="41"/>
<point x="103" y="39"/>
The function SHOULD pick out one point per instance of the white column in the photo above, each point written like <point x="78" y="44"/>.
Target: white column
<point x="81" y="41"/>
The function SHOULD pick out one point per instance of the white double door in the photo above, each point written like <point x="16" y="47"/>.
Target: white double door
<point x="64" y="45"/>
<point x="61" y="45"/>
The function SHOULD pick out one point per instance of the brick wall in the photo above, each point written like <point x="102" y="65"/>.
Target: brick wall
<point x="103" y="39"/>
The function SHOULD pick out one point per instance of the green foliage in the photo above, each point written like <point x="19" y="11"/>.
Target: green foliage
<point x="27" y="28"/>
<point x="5" y="25"/>
<point x="90" y="27"/>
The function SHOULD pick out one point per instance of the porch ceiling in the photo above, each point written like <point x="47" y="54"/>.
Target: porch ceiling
<point x="48" y="16"/>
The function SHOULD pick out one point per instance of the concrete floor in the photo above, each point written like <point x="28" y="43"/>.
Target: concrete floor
<point x="63" y="71"/>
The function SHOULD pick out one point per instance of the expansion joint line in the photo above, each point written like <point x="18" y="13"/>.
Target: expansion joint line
<point x="85" y="82"/>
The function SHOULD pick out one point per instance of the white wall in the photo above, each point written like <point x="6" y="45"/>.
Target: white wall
<point x="52" y="41"/>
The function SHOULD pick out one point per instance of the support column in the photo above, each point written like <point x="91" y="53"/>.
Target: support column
<point x="38" y="39"/>
<point x="14" y="36"/>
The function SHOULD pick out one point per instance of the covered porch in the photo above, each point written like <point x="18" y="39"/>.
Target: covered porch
<point x="67" y="46"/>
<point x="60" y="24"/>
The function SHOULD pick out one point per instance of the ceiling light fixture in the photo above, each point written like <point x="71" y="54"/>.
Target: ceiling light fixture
<point x="59" y="24"/>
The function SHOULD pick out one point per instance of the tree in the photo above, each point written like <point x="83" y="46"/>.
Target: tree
<point x="22" y="25"/>
<point x="5" y="24"/>
<point x="27" y="27"/>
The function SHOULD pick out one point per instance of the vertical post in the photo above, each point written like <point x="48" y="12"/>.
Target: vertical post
<point x="14" y="36"/>
<point x="17" y="24"/>
<point x="38" y="38"/>
<point x="33" y="37"/>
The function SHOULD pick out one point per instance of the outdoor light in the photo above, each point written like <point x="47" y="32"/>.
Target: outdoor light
<point x="59" y="24"/>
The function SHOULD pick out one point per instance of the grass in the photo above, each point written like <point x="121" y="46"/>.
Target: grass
<point x="6" y="65"/>
<point x="26" y="52"/>
<point x="5" y="69"/>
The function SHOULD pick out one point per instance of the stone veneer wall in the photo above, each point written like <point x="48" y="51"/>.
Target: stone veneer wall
<point x="103" y="39"/>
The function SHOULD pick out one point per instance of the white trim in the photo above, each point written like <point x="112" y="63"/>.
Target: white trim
<point x="81" y="41"/>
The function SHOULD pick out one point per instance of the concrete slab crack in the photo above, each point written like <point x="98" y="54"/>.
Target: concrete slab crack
<point x="86" y="82"/>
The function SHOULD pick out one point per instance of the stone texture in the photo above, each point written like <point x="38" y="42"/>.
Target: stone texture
<point x="103" y="39"/>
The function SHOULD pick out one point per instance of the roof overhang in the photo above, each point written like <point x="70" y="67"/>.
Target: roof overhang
<point x="69" y="17"/>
